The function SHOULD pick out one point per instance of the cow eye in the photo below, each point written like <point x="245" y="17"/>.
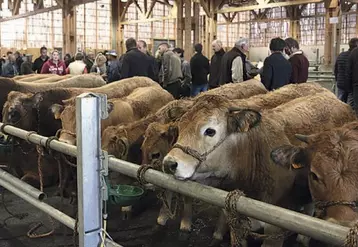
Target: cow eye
<point x="314" y="177"/>
<point x="210" y="132"/>
<point x="155" y="156"/>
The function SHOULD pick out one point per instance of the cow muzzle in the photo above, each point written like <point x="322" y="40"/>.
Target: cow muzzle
<point x="170" y="165"/>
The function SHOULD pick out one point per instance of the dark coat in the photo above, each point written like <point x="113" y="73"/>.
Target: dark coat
<point x="215" y="68"/>
<point x="135" y="63"/>
<point x="226" y="65"/>
<point x="88" y="62"/>
<point x="153" y="69"/>
<point x="299" y="64"/>
<point x="114" y="71"/>
<point x="200" y="68"/>
<point x="352" y="70"/>
<point x="340" y="70"/>
<point x="276" y="71"/>
<point x="37" y="66"/>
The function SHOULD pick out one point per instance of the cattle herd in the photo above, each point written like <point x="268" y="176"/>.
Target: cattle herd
<point x="289" y="147"/>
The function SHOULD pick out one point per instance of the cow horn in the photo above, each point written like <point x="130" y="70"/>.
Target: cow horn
<point x="232" y="109"/>
<point x="303" y="138"/>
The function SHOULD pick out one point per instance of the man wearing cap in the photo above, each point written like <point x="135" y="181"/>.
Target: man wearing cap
<point x="113" y="71"/>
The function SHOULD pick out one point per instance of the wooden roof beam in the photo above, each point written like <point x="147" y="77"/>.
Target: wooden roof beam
<point x="16" y="7"/>
<point x="266" y="6"/>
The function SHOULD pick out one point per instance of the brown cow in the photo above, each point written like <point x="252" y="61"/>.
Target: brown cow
<point x="331" y="163"/>
<point x="230" y="148"/>
<point x="142" y="102"/>
<point x="118" y="140"/>
<point x="158" y="140"/>
<point x="42" y="119"/>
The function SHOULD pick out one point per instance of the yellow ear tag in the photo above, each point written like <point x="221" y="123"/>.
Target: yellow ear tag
<point x="297" y="166"/>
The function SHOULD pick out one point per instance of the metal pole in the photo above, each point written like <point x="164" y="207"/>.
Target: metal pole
<point x="28" y="189"/>
<point x="53" y="212"/>
<point x="88" y="169"/>
<point x="300" y="223"/>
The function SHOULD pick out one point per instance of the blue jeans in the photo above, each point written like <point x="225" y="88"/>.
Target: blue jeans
<point x="196" y="89"/>
<point x="346" y="97"/>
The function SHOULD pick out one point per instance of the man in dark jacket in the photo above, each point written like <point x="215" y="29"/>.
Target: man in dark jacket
<point x="215" y="64"/>
<point x="277" y="70"/>
<point x="233" y="63"/>
<point x="298" y="60"/>
<point x="37" y="66"/>
<point x="200" y="68"/>
<point x="114" y="67"/>
<point x="154" y="67"/>
<point x="352" y="76"/>
<point x="185" y="69"/>
<point x="135" y="63"/>
<point x="344" y="91"/>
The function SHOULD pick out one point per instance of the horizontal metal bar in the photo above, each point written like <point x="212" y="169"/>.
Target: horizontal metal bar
<point x="28" y="189"/>
<point x="40" y="140"/>
<point x="321" y="77"/>
<point x="300" y="223"/>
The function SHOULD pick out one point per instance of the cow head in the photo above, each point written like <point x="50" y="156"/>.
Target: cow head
<point x="331" y="160"/>
<point x="19" y="111"/>
<point x="67" y="115"/>
<point x="115" y="142"/>
<point x="209" y="130"/>
<point x="158" y="140"/>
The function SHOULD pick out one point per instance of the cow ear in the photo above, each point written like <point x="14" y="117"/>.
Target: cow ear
<point x="110" y="107"/>
<point x="57" y="109"/>
<point x="37" y="99"/>
<point x="175" y="113"/>
<point x="242" y="120"/>
<point x="173" y="134"/>
<point x="290" y="157"/>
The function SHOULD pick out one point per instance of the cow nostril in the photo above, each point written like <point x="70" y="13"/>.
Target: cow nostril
<point x="155" y="156"/>
<point x="172" y="166"/>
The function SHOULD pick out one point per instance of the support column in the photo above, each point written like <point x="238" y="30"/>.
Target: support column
<point x="196" y="23"/>
<point x="188" y="46"/>
<point x="179" y="42"/>
<point x="212" y="26"/>
<point x="331" y="6"/>
<point x="69" y="28"/>
<point x="115" y="21"/>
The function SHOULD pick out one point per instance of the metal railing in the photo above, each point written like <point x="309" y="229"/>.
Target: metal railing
<point x="300" y="223"/>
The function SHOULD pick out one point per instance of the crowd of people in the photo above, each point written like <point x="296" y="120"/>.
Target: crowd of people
<point x="286" y="64"/>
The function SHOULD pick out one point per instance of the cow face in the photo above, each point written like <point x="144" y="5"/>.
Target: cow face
<point x="208" y="130"/>
<point x="115" y="142"/>
<point x="19" y="111"/>
<point x="158" y="140"/>
<point x="331" y="159"/>
<point x="67" y="115"/>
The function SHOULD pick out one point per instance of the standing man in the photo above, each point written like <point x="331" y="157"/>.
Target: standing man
<point x="114" y="67"/>
<point x="89" y="60"/>
<point x="39" y="62"/>
<point x="170" y="72"/>
<point x="298" y="60"/>
<point x="185" y="69"/>
<point x="233" y="64"/>
<point x="135" y="63"/>
<point x="10" y="69"/>
<point x="200" y="68"/>
<point x="215" y="65"/>
<point x="153" y="70"/>
<point x="276" y="70"/>
<point x="78" y="67"/>
<point x="344" y="89"/>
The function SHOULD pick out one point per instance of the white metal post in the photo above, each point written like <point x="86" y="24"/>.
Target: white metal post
<point x="88" y="114"/>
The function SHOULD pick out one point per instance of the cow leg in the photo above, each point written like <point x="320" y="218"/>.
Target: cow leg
<point x="272" y="230"/>
<point x="185" y="223"/>
<point x="32" y="179"/>
<point x="220" y="230"/>
<point x="163" y="213"/>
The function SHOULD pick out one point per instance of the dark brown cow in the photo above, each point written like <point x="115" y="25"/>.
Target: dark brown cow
<point x="7" y="85"/>
<point x="236" y="146"/>
<point x="42" y="119"/>
<point x="331" y="163"/>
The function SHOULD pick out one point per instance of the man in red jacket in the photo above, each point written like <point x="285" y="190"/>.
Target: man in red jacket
<point x="54" y="65"/>
<point x="298" y="60"/>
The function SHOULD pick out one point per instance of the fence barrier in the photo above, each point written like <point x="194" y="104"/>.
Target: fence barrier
<point x="290" y="220"/>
